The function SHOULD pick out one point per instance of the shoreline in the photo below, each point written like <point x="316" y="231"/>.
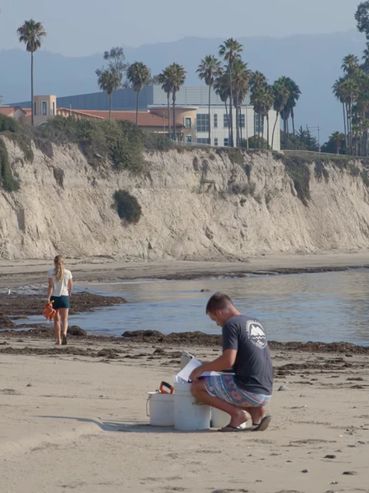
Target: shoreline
<point x="16" y="273"/>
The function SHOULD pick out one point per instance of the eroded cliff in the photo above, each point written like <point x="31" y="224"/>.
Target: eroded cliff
<point x="195" y="204"/>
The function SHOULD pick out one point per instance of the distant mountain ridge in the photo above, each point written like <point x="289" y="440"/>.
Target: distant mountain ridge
<point x="313" y="61"/>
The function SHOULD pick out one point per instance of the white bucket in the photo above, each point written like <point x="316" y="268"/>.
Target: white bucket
<point x="219" y="418"/>
<point x="188" y="415"/>
<point x="160" y="408"/>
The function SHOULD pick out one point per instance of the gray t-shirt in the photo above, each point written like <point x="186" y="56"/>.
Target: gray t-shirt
<point x="253" y="365"/>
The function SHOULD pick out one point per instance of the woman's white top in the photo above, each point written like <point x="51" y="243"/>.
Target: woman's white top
<point x="60" y="287"/>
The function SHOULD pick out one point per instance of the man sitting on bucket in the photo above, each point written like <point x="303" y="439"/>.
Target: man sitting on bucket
<point x="245" y="351"/>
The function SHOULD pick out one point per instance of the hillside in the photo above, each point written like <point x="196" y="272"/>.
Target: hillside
<point x="196" y="204"/>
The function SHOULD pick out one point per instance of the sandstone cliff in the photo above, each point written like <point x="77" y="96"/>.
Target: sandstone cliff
<point x="195" y="204"/>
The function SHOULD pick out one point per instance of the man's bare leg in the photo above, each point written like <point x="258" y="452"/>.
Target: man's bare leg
<point x="238" y="415"/>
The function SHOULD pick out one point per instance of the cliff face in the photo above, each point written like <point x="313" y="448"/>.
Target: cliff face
<point x="195" y="204"/>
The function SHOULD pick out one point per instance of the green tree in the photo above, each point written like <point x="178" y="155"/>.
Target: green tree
<point x="362" y="18"/>
<point x="336" y="143"/>
<point x="31" y="34"/>
<point x="231" y="51"/>
<point x="139" y="76"/>
<point x="110" y="78"/>
<point x="208" y="70"/>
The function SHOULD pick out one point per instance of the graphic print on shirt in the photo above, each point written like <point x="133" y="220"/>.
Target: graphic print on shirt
<point x="256" y="334"/>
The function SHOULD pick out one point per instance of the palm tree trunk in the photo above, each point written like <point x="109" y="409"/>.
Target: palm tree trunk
<point x="32" y="96"/>
<point x="174" y="114"/>
<point x="137" y="93"/>
<point x="267" y="118"/>
<point x="275" y="124"/>
<point x="227" y="114"/>
<point x="344" y="125"/>
<point x="110" y="98"/>
<point x="293" y="121"/>
<point x="230" y="106"/>
<point x="209" y="105"/>
<point x="168" y="103"/>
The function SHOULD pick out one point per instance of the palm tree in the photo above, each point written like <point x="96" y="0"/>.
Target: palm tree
<point x="230" y="50"/>
<point x="164" y="79"/>
<point x="109" y="81"/>
<point x="31" y="34"/>
<point x="139" y="76"/>
<point x="221" y="87"/>
<point x="174" y="76"/>
<point x="241" y="78"/>
<point x="293" y="96"/>
<point x="110" y="78"/>
<point x="260" y="91"/>
<point x="208" y="70"/>
<point x="280" y="92"/>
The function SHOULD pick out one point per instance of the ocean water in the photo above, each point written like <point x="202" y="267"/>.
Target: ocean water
<point x="328" y="307"/>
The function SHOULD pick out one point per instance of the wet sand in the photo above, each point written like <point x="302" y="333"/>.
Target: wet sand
<point x="27" y="272"/>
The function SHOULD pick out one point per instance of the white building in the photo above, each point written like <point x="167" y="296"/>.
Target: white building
<point x="251" y="124"/>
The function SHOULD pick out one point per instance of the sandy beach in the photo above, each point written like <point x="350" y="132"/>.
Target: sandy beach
<point x="74" y="418"/>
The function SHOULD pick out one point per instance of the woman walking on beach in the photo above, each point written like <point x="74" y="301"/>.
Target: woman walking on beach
<point x="58" y="293"/>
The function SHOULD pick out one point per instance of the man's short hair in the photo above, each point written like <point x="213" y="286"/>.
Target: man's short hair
<point x="218" y="301"/>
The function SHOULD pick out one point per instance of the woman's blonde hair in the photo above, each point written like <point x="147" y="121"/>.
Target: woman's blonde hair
<point x="59" y="267"/>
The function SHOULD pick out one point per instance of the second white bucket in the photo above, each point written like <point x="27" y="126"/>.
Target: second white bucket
<point x="160" y="408"/>
<point x="188" y="415"/>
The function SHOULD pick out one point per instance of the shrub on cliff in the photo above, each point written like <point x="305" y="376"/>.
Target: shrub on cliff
<point x="157" y="142"/>
<point x="7" y="180"/>
<point x="127" y="206"/>
<point x="119" y="142"/>
<point x="8" y="124"/>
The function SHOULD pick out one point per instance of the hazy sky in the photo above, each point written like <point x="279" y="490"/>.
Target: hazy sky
<point x="83" y="27"/>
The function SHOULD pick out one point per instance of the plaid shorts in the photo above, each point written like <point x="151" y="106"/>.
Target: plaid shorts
<point x="225" y="387"/>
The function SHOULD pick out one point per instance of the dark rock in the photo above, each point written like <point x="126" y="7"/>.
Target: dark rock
<point x="5" y="322"/>
<point x="75" y="330"/>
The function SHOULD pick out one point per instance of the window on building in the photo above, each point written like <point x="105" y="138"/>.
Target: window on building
<point x="216" y="141"/>
<point x="44" y="107"/>
<point x="225" y="143"/>
<point x="202" y="122"/>
<point x="188" y="122"/>
<point x="215" y="120"/>
<point x="34" y="108"/>
<point x="241" y="120"/>
<point x="54" y="112"/>
<point x="189" y="139"/>
<point x="225" y="121"/>
<point x="202" y="141"/>
<point x="258" y="124"/>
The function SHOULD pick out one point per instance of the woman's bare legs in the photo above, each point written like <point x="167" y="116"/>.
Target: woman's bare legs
<point x="57" y="328"/>
<point x="64" y="323"/>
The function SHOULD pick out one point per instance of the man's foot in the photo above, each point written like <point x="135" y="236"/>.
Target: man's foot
<point x="263" y="425"/>
<point x="239" y="419"/>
